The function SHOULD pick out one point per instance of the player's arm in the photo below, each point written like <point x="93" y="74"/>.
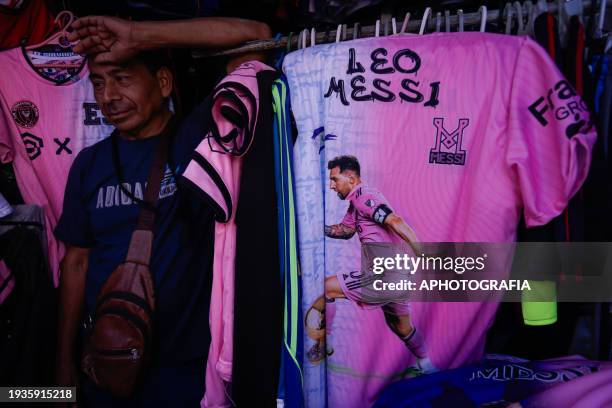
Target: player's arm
<point x="398" y="226"/>
<point x="339" y="231"/>
<point x="115" y="39"/>
<point x="71" y="294"/>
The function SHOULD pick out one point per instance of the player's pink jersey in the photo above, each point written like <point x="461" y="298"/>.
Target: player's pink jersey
<point x="367" y="212"/>
<point x="43" y="126"/>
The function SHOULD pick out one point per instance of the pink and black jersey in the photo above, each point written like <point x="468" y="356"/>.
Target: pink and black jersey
<point x="367" y="212"/>
<point x="43" y="126"/>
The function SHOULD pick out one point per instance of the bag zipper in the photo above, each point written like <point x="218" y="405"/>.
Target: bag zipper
<point x="134" y="353"/>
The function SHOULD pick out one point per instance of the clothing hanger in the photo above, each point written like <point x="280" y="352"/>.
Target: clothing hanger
<point x="528" y="9"/>
<point x="447" y="25"/>
<point x="356" y="28"/>
<point x="483" y="18"/>
<point x="424" y="20"/>
<point x="438" y="21"/>
<point x="56" y="43"/>
<point x="59" y="38"/>
<point x="377" y="29"/>
<point x="508" y="13"/>
<point x="519" y="18"/>
<point x="602" y="17"/>
<point x="313" y="37"/>
<point x="394" y="25"/>
<point x="461" y="22"/>
<point x="405" y="23"/>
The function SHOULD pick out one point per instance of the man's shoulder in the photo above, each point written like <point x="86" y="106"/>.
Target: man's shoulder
<point x="89" y="154"/>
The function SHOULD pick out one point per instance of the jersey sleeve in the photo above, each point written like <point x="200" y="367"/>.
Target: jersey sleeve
<point x="74" y="227"/>
<point x="349" y="217"/>
<point x="373" y="205"/>
<point x="550" y="136"/>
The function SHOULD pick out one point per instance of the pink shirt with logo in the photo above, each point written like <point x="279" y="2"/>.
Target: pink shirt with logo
<point x="462" y="132"/>
<point x="43" y="126"/>
<point x="367" y="212"/>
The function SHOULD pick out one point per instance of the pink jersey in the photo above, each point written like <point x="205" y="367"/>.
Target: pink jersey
<point x="43" y="126"/>
<point x="462" y="132"/>
<point x="367" y="212"/>
<point x="214" y="174"/>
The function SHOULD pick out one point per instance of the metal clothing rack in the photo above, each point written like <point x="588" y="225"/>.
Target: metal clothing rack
<point x="437" y="22"/>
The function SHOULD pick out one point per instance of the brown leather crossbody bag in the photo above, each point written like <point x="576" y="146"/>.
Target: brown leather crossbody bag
<point x="118" y="347"/>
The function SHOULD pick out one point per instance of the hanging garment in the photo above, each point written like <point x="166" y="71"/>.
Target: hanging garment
<point x="23" y="216"/>
<point x="256" y="358"/>
<point x="214" y="175"/>
<point x="42" y="128"/>
<point x="497" y="379"/>
<point x="28" y="315"/>
<point x="459" y="132"/>
<point x="31" y="23"/>
<point x="291" y="386"/>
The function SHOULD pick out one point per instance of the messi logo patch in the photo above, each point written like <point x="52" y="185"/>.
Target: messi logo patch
<point x="25" y="114"/>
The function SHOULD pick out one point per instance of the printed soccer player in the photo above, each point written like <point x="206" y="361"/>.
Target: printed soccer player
<point x="370" y="216"/>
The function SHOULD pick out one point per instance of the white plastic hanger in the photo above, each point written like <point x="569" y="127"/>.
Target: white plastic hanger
<point x="341" y="33"/>
<point x="483" y="18"/>
<point x="508" y="14"/>
<point x="438" y="21"/>
<point x="601" y="17"/>
<point x="461" y="21"/>
<point x="447" y="24"/>
<point x="426" y="15"/>
<point x="519" y="18"/>
<point x="405" y="23"/>
<point x="313" y="37"/>
<point x="394" y="25"/>
<point x="356" y="29"/>
<point x="377" y="29"/>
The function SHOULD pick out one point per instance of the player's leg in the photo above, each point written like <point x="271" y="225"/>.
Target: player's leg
<point x="319" y="318"/>
<point x="397" y="316"/>
<point x="333" y="291"/>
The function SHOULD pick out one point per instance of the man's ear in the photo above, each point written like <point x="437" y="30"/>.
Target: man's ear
<point x="165" y="81"/>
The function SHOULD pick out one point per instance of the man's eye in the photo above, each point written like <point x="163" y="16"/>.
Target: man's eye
<point x="122" y="78"/>
<point x="98" y="85"/>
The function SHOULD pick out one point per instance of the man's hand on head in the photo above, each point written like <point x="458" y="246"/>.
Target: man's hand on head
<point x="110" y="39"/>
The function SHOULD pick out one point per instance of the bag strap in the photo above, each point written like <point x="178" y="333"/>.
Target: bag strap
<point x="141" y="243"/>
<point x="146" y="218"/>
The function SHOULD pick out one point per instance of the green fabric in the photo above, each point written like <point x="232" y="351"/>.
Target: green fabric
<point x="540" y="303"/>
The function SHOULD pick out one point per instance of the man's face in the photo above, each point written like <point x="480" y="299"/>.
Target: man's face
<point x="342" y="182"/>
<point x="129" y="95"/>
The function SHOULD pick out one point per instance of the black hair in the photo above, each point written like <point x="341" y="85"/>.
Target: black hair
<point x="345" y="163"/>
<point x="154" y="60"/>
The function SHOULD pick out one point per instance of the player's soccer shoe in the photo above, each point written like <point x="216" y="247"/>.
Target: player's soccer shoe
<point x="426" y="366"/>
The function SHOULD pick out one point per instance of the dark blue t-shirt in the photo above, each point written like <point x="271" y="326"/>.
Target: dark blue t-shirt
<point x="98" y="215"/>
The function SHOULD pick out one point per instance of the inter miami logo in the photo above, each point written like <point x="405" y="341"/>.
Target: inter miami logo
<point x="32" y="144"/>
<point x="448" y="144"/>
<point x="25" y="114"/>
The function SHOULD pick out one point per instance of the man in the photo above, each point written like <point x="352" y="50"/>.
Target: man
<point x="371" y="217"/>
<point x="133" y="85"/>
